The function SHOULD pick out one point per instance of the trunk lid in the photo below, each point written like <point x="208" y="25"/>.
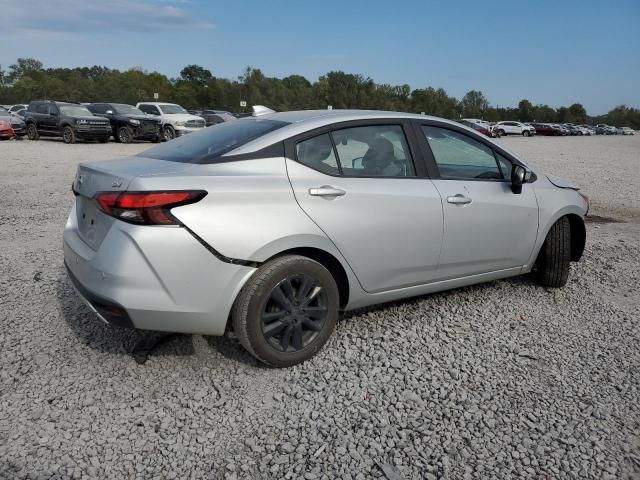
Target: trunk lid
<point x="109" y="176"/>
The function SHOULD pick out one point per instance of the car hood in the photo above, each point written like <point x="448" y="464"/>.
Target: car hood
<point x="562" y="182"/>
<point x="182" y="116"/>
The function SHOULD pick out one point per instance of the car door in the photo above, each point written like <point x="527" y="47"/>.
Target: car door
<point x="360" y="184"/>
<point x="49" y="118"/>
<point x="487" y="227"/>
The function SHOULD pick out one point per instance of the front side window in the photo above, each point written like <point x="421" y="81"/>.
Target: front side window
<point x="151" y="109"/>
<point x="99" y="108"/>
<point x="317" y="153"/>
<point x="171" y="109"/>
<point x="373" y="151"/>
<point x="459" y="156"/>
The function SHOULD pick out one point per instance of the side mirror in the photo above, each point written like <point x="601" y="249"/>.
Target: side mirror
<point x="109" y="112"/>
<point x="519" y="176"/>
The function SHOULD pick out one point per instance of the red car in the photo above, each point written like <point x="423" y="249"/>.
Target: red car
<point x="6" y="132"/>
<point x="478" y="127"/>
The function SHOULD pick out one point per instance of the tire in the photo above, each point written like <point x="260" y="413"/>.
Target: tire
<point x="552" y="265"/>
<point x="32" y="132"/>
<point x="499" y="133"/>
<point x="124" y="135"/>
<point x="169" y="133"/>
<point x="68" y="135"/>
<point x="300" y="276"/>
<point x="526" y="133"/>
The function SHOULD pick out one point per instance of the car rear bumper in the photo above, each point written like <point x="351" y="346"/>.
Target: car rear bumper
<point x="153" y="278"/>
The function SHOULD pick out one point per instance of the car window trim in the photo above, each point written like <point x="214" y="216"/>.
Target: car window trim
<point x="404" y="123"/>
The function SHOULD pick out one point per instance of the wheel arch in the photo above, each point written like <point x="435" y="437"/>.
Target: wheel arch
<point x="327" y="260"/>
<point x="578" y="236"/>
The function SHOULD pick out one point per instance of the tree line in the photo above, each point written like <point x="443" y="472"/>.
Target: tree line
<point x="198" y="88"/>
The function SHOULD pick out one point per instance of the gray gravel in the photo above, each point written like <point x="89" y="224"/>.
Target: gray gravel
<point x="500" y="380"/>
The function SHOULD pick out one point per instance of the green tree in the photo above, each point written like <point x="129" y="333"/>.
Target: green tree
<point x="474" y="104"/>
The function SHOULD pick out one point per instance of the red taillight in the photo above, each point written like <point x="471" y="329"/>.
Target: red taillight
<point x="146" y="208"/>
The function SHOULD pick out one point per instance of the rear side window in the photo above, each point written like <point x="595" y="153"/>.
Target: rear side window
<point x="317" y="153"/>
<point x="368" y="151"/>
<point x="42" y="108"/>
<point x="460" y="157"/>
<point x="212" y="142"/>
<point x="101" y="108"/>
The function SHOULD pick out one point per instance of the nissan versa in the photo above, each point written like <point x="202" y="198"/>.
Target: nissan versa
<point x="273" y="224"/>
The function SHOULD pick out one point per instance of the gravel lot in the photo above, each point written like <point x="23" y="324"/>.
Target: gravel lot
<point x="500" y="380"/>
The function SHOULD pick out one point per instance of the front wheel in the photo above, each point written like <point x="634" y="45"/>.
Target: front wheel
<point x="125" y="135"/>
<point x="32" y="132"/>
<point x="286" y="311"/>
<point x="499" y="133"/>
<point x="526" y="133"/>
<point x="68" y="135"/>
<point x="169" y="133"/>
<point x="552" y="265"/>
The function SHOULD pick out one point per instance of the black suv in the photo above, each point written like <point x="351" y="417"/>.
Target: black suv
<point x="71" y="121"/>
<point x="128" y="122"/>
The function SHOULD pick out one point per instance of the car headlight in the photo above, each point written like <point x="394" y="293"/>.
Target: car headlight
<point x="81" y="122"/>
<point x="133" y="121"/>
<point x="181" y="124"/>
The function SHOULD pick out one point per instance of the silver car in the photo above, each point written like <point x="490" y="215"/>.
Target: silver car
<point x="273" y="224"/>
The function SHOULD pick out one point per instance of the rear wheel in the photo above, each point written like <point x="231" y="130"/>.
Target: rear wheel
<point x="32" y="132"/>
<point x="68" y="135"/>
<point x="552" y="266"/>
<point x="169" y="133"/>
<point x="125" y="135"/>
<point x="286" y="311"/>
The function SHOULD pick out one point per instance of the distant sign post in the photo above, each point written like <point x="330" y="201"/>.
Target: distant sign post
<point x="243" y="103"/>
<point x="329" y="107"/>
<point x="156" y="96"/>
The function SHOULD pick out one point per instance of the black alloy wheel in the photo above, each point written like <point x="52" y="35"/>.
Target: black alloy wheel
<point x="294" y="313"/>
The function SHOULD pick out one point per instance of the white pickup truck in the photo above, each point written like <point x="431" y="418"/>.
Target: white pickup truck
<point x="176" y="121"/>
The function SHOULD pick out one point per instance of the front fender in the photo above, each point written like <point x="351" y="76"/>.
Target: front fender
<point x="555" y="203"/>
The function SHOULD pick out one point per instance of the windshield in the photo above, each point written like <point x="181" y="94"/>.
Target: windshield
<point x="75" y="111"/>
<point x="172" y="109"/>
<point x="212" y="142"/>
<point x="124" y="109"/>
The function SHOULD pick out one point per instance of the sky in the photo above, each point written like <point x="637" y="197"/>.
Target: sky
<point x="550" y="52"/>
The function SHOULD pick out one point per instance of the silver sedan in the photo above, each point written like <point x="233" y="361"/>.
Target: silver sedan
<point x="273" y="224"/>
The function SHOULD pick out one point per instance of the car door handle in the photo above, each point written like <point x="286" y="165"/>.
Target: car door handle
<point x="326" y="191"/>
<point x="459" y="199"/>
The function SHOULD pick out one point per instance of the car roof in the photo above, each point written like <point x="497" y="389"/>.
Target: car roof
<point x="301" y="121"/>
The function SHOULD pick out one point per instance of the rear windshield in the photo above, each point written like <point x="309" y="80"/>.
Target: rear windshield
<point x="214" y="141"/>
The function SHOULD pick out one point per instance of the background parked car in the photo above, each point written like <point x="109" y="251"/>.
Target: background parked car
<point x="513" y="128"/>
<point x="71" y="121"/>
<point x="17" y="123"/>
<point x="16" y="108"/>
<point x="128" y="122"/>
<point x="214" y="117"/>
<point x="628" y="131"/>
<point x="483" y="127"/>
<point x="547" y="129"/>
<point x="176" y="121"/>
<point x="6" y="132"/>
